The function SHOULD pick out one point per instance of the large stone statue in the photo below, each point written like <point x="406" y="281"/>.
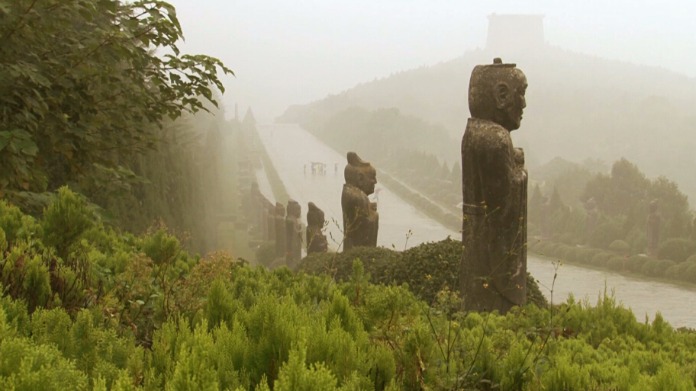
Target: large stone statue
<point x="653" y="228"/>
<point x="360" y="217"/>
<point x="293" y="233"/>
<point x="493" y="272"/>
<point x="316" y="240"/>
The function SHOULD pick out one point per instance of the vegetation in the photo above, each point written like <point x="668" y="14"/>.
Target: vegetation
<point x="85" y="102"/>
<point x="426" y="269"/>
<point x="94" y="309"/>
<point x="606" y="226"/>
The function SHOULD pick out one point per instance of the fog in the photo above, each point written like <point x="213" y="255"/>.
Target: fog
<point x="294" y="52"/>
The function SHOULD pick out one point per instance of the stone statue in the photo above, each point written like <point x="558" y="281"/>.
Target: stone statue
<point x="493" y="272"/>
<point x="360" y="217"/>
<point x="316" y="240"/>
<point x="293" y="233"/>
<point x="279" y="225"/>
<point x="269" y="215"/>
<point x="592" y="218"/>
<point x="653" y="228"/>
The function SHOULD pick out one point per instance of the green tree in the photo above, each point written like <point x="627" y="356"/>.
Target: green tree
<point x="85" y="82"/>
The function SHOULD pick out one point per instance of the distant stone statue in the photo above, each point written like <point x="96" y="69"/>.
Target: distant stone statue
<point x="360" y="217"/>
<point x="653" y="228"/>
<point x="316" y="240"/>
<point x="279" y="225"/>
<point x="269" y="209"/>
<point x="493" y="273"/>
<point x="592" y="218"/>
<point x="293" y="233"/>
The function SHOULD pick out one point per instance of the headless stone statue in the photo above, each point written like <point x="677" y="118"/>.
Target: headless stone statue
<point x="653" y="228"/>
<point x="493" y="273"/>
<point x="360" y="217"/>
<point x="279" y="225"/>
<point x="316" y="240"/>
<point x="293" y="233"/>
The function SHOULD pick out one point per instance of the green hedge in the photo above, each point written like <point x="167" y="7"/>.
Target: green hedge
<point x="427" y="269"/>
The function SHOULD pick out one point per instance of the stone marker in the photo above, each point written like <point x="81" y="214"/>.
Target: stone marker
<point x="360" y="217"/>
<point x="493" y="272"/>
<point x="316" y="240"/>
<point x="279" y="230"/>
<point x="293" y="233"/>
<point x="653" y="228"/>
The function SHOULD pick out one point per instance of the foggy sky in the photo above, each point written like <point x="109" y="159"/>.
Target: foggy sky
<point x="295" y="51"/>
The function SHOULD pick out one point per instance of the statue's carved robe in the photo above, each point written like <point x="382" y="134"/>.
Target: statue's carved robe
<point x="494" y="186"/>
<point x="360" y="218"/>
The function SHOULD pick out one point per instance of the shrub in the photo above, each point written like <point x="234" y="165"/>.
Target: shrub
<point x="690" y="274"/>
<point x="265" y="253"/>
<point x="65" y="219"/>
<point x="656" y="267"/>
<point x="635" y="262"/>
<point x="616" y="263"/>
<point x="677" y="249"/>
<point x="620" y="246"/>
<point x="427" y="268"/>
<point x="601" y="258"/>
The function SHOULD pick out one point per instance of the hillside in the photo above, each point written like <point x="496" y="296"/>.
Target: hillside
<point x="579" y="107"/>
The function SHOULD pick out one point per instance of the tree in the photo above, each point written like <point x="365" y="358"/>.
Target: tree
<point x="85" y="82"/>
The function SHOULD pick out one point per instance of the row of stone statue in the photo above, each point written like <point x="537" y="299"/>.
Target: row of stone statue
<point x="283" y="225"/>
<point x="493" y="270"/>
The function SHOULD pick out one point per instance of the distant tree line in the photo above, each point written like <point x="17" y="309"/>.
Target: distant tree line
<point x="610" y="223"/>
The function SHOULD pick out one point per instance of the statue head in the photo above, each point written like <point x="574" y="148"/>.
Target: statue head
<point x="315" y="216"/>
<point x="294" y="209"/>
<point x="360" y="174"/>
<point x="496" y="93"/>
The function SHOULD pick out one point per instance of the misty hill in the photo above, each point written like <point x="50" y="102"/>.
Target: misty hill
<point x="579" y="107"/>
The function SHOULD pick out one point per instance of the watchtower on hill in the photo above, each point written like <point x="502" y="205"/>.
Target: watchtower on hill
<point x="515" y="32"/>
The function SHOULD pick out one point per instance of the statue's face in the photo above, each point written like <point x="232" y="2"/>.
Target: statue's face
<point x="510" y="100"/>
<point x="367" y="179"/>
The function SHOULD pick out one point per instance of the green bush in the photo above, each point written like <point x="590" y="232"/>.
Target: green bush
<point x="427" y="268"/>
<point x="620" y="246"/>
<point x="265" y="253"/>
<point x="601" y="258"/>
<point x="65" y="219"/>
<point x="677" y="249"/>
<point x="635" y="262"/>
<point x="617" y="263"/>
<point x="690" y="274"/>
<point x="125" y="312"/>
<point x="656" y="268"/>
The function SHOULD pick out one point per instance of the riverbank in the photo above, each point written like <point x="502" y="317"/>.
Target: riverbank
<point x="639" y="267"/>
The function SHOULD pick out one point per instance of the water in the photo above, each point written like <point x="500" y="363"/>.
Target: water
<point x="292" y="150"/>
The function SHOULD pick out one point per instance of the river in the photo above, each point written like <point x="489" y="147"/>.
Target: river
<point x="293" y="150"/>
